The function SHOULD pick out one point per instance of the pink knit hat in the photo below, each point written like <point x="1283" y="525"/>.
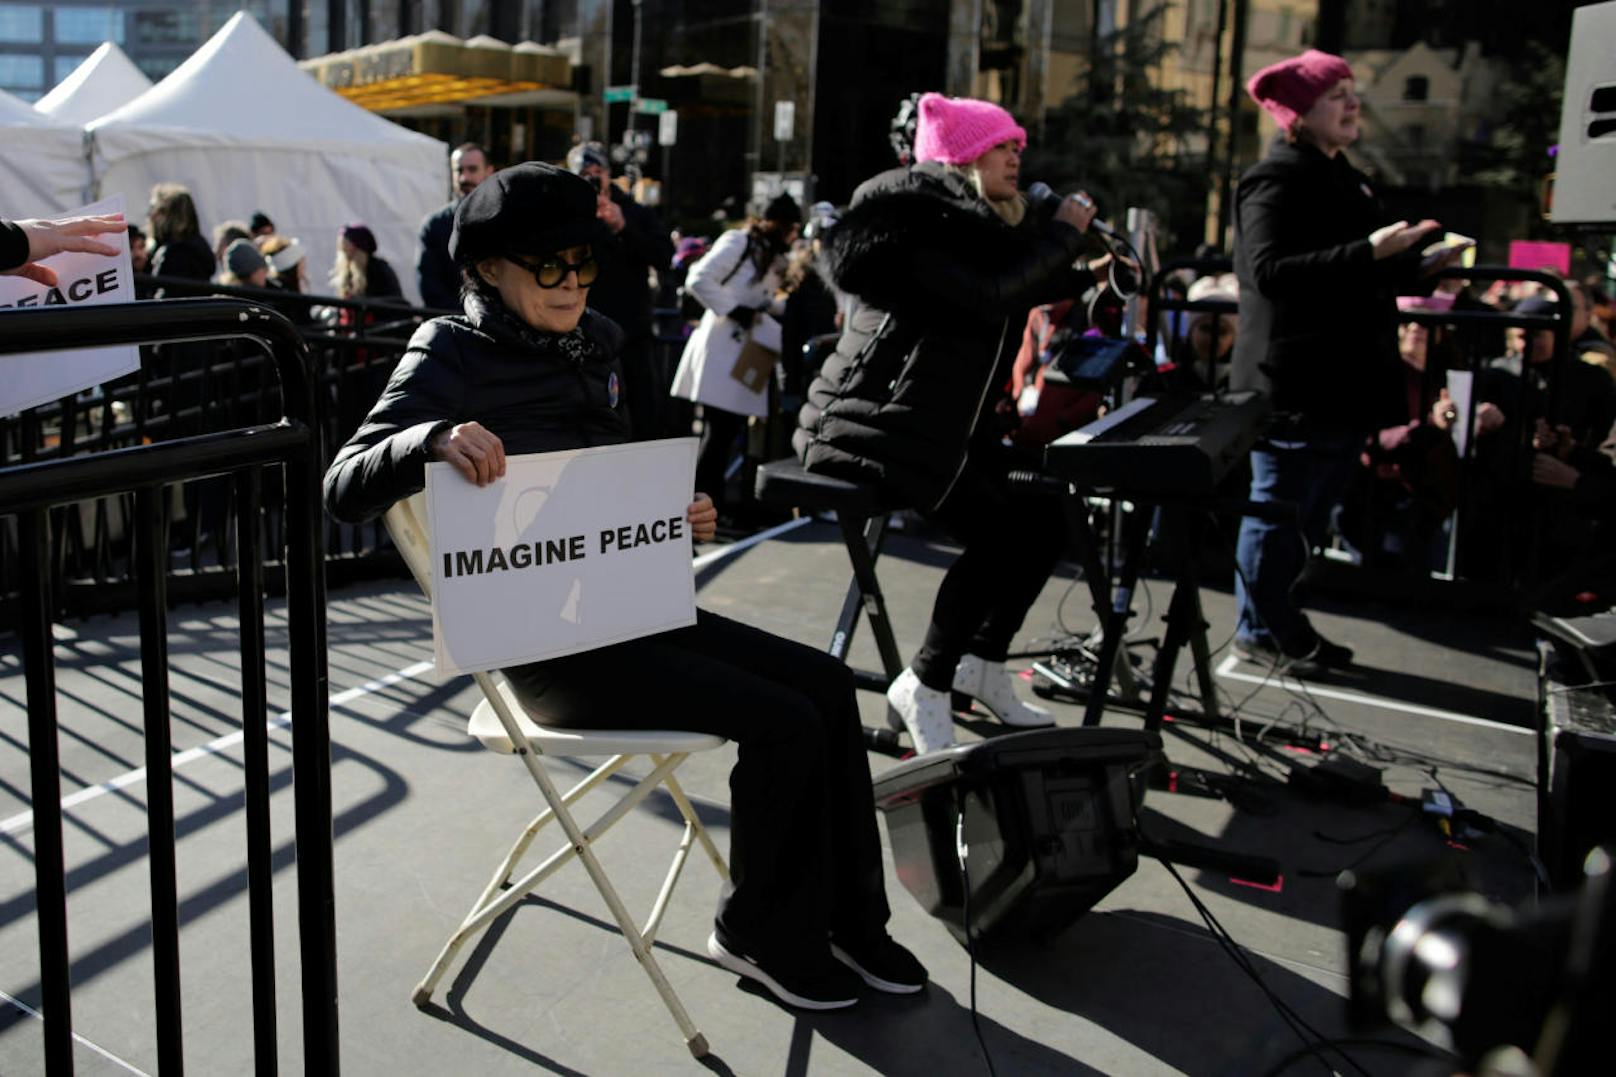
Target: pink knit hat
<point x="1289" y="88"/>
<point x="958" y="130"/>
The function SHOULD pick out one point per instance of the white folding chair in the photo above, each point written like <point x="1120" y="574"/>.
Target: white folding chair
<point x="502" y="724"/>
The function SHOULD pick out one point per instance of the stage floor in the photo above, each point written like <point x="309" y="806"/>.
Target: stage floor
<point x="1138" y="986"/>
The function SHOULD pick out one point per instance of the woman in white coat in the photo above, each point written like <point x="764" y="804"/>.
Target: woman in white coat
<point x="737" y="281"/>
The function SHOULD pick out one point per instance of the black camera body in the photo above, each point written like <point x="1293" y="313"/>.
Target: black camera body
<point x="1480" y="977"/>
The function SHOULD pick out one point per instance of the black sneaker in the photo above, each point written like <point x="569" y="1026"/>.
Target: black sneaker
<point x="1268" y="654"/>
<point x="814" y="982"/>
<point x="883" y="964"/>
<point x="1331" y="655"/>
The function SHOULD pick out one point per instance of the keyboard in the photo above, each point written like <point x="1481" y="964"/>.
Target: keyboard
<point x="1171" y="443"/>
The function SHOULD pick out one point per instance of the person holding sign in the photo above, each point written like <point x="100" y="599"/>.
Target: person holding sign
<point x="529" y="368"/>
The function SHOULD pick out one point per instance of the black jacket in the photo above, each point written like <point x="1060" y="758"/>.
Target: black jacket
<point x="942" y="288"/>
<point x="190" y="257"/>
<point x="623" y="290"/>
<point x="435" y="271"/>
<point x="537" y="392"/>
<point x="13" y="246"/>
<point x="381" y="282"/>
<point x="1318" y="313"/>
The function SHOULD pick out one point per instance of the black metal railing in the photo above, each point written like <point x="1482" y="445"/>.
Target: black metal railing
<point x="1473" y="328"/>
<point x="289" y="447"/>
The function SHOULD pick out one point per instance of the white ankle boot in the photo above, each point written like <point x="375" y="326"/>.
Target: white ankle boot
<point x="989" y="684"/>
<point x="925" y="712"/>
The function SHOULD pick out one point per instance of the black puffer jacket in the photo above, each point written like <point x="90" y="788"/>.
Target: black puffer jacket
<point x="537" y="392"/>
<point x="942" y="287"/>
<point x="1318" y="313"/>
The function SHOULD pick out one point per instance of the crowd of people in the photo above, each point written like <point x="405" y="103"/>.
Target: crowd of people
<point x="948" y="295"/>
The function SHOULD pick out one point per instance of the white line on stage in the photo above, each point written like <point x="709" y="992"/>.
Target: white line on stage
<point x="1226" y="669"/>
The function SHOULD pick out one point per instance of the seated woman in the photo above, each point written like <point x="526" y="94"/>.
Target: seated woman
<point x="529" y="369"/>
<point x="943" y="261"/>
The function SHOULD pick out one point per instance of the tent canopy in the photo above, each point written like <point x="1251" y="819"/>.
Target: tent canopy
<point x="244" y="129"/>
<point x="106" y="80"/>
<point x="42" y="170"/>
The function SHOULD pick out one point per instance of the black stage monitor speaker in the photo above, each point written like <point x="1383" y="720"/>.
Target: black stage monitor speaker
<point x="1050" y="825"/>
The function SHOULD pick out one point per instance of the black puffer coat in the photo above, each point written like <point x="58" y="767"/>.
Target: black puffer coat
<point x="1318" y="313"/>
<point x="942" y="287"/>
<point x="537" y="392"/>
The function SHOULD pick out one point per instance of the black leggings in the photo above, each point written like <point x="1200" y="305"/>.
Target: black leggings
<point x="1012" y="541"/>
<point x="718" y="431"/>
<point x="805" y="856"/>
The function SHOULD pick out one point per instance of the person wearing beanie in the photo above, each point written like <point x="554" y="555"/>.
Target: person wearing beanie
<point x="531" y="367"/>
<point x="1319" y="267"/>
<point x="261" y="225"/>
<point x="631" y="243"/>
<point x="942" y="262"/>
<point x="360" y="273"/>
<point x="244" y="265"/>
<point x="738" y="283"/>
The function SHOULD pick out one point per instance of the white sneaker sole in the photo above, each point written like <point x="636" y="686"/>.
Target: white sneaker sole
<point x="870" y="978"/>
<point x="747" y="969"/>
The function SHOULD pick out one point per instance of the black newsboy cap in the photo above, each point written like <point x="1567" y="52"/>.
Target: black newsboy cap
<point x="531" y="208"/>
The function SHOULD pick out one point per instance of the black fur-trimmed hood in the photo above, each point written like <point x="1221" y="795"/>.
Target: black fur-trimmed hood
<point x="896" y="217"/>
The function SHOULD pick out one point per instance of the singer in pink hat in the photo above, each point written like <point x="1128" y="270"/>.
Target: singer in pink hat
<point x="943" y="260"/>
<point x="1319" y="266"/>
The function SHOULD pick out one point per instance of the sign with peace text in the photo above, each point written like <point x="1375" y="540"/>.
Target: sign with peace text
<point x="568" y="552"/>
<point x="34" y="378"/>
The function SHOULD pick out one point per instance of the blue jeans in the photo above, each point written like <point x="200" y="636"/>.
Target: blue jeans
<point x="1271" y="553"/>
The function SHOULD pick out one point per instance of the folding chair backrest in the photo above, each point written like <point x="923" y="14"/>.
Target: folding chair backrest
<point x="406" y="522"/>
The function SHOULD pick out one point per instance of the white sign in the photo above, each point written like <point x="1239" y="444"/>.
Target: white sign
<point x="785" y="118"/>
<point x="667" y="132"/>
<point x="568" y="552"/>
<point x="27" y="381"/>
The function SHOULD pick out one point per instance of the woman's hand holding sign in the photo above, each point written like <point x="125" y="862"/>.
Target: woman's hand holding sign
<point x="703" y="518"/>
<point x="46" y="238"/>
<point x="475" y="452"/>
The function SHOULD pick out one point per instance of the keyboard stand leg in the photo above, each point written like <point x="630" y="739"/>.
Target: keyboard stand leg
<point x="1185" y="621"/>
<point x="864" y="539"/>
<point x="1136" y="527"/>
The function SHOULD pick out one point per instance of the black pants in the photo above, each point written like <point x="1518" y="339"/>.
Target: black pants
<point x="805" y="856"/>
<point x="1012" y="541"/>
<point x="718" y="431"/>
<point x="645" y="389"/>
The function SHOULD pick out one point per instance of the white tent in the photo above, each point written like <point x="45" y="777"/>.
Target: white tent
<point x="106" y="80"/>
<point x="42" y="170"/>
<point x="245" y="129"/>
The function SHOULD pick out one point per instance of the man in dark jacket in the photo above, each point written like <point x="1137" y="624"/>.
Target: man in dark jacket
<point x="434" y="269"/>
<point x="630" y="241"/>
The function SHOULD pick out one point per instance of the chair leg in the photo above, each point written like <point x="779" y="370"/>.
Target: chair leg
<point x="502" y="876"/>
<point x="677" y="793"/>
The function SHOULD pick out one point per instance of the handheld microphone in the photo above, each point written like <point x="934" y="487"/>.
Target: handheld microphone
<point x="1046" y="201"/>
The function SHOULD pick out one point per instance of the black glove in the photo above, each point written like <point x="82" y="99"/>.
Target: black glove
<point x="743" y="316"/>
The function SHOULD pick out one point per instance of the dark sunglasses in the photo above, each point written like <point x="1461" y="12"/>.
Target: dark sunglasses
<point x="551" y="271"/>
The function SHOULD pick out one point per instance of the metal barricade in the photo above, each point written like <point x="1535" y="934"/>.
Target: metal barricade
<point x="28" y="492"/>
<point x="1166" y="337"/>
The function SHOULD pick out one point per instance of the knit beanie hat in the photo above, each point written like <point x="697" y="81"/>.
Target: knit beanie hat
<point x="243" y="259"/>
<point x="1289" y="88"/>
<point x="284" y="255"/>
<point x="958" y="130"/>
<point x="784" y="209"/>
<point x="360" y="236"/>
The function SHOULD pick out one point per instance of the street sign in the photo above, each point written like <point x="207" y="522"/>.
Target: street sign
<point x="785" y="118"/>
<point x="651" y="106"/>
<point x="614" y="94"/>
<point x="668" y="128"/>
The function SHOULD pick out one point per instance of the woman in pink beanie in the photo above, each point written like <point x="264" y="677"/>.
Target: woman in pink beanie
<point x="1319" y="268"/>
<point x="942" y="261"/>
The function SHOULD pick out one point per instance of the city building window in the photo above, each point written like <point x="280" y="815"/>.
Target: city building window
<point x="177" y="27"/>
<point x="1414" y="133"/>
<point x="157" y="67"/>
<point x="1416" y="88"/>
<point x="19" y="73"/>
<point x="88" y="25"/>
<point x="63" y="66"/>
<point x="23" y="23"/>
